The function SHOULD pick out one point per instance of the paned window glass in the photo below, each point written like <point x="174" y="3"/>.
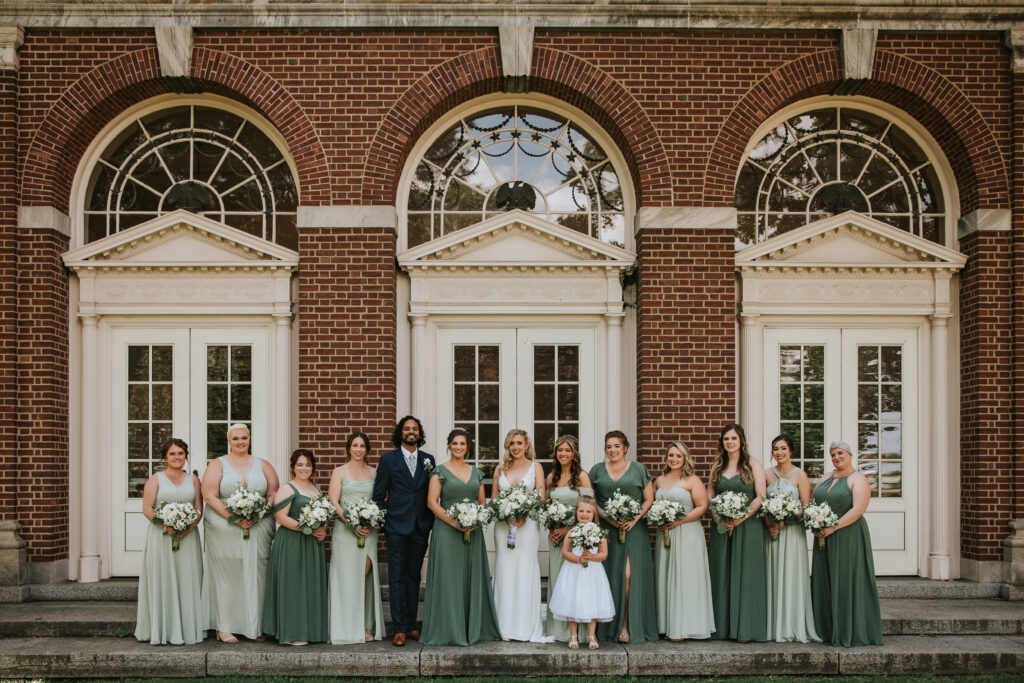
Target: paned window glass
<point x="228" y="393"/>
<point x="477" y="398"/>
<point x="515" y="158"/>
<point x="802" y="404"/>
<point x="556" y="396"/>
<point x="150" y="411"/>
<point x="835" y="159"/>
<point x="880" y="418"/>
<point x="204" y="160"/>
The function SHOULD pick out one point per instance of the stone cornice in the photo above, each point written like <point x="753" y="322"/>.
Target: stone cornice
<point x="691" y="14"/>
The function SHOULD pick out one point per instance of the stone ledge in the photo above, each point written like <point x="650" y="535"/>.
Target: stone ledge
<point x="98" y="657"/>
<point x="523" y="659"/>
<point x="263" y="659"/>
<point x="945" y="655"/>
<point x="704" y="657"/>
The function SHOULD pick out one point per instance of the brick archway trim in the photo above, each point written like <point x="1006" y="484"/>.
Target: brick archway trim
<point x="923" y="93"/>
<point x="554" y="73"/>
<point x="87" y="106"/>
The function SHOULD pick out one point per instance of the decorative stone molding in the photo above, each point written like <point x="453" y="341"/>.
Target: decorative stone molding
<point x="858" y="52"/>
<point x="43" y="218"/>
<point x="1013" y="562"/>
<point x="1015" y="41"/>
<point x="353" y="216"/>
<point x="174" y="48"/>
<point x="686" y="217"/>
<point x="11" y="38"/>
<point x="516" y="56"/>
<point x="985" y="220"/>
<point x="13" y="554"/>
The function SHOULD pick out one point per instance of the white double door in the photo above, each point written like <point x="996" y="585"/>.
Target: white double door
<point x="491" y="380"/>
<point x="860" y="386"/>
<point x="188" y="383"/>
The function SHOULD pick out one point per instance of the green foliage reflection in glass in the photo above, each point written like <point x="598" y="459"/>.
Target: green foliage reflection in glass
<point x="228" y="393"/>
<point x="802" y="404"/>
<point x="477" y="407"/>
<point x="880" y="418"/>
<point x="204" y="160"/>
<point x="150" y="411"/>
<point x="834" y="159"/>
<point x="515" y="158"/>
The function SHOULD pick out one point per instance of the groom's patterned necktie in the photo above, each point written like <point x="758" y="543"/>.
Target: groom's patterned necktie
<point x="410" y="460"/>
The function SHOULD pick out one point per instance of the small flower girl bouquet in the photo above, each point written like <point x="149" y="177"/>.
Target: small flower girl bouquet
<point x="363" y="513"/>
<point x="781" y="508"/>
<point x="820" y="516"/>
<point x="556" y="516"/>
<point x="245" y="504"/>
<point x="729" y="505"/>
<point x="469" y="515"/>
<point x="587" y="536"/>
<point x="315" y="514"/>
<point x="621" y="508"/>
<point x="177" y="517"/>
<point x="665" y="512"/>
<point x="518" y="502"/>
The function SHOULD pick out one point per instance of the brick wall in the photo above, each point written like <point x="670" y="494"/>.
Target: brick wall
<point x="8" y="294"/>
<point x="687" y="342"/>
<point x="1018" y="289"/>
<point x="346" y="318"/>
<point x="42" y="400"/>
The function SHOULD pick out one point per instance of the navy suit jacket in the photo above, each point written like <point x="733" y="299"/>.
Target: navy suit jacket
<point x="404" y="495"/>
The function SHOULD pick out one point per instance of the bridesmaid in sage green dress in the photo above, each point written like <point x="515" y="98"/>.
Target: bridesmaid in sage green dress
<point x="295" y="611"/>
<point x="565" y="484"/>
<point x="236" y="568"/>
<point x="636" y="612"/>
<point x="685" y="609"/>
<point x="845" y="595"/>
<point x="737" y="557"/>
<point x="790" y="616"/>
<point x="170" y="606"/>
<point x="459" y="604"/>
<point x="357" y="614"/>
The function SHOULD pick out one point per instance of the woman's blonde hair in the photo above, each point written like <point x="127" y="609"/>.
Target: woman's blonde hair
<point x="689" y="466"/>
<point x="529" y="454"/>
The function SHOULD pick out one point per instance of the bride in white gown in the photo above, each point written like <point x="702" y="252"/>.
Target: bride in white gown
<point x="517" y="571"/>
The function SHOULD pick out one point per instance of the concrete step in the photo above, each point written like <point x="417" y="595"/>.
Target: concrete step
<point x="899" y="617"/>
<point x="124" y="657"/>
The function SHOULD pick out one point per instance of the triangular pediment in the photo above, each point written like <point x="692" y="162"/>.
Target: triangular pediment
<point x="849" y="240"/>
<point x="181" y="239"/>
<point x="515" y="240"/>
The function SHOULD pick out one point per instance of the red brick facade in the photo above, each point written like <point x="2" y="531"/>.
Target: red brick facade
<point x="681" y="105"/>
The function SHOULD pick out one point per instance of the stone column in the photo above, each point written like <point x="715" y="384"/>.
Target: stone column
<point x="420" y="363"/>
<point x="940" y="557"/>
<point x="13" y="553"/>
<point x="89" y="562"/>
<point x="283" y="398"/>
<point x="751" y="412"/>
<point x="614" y="371"/>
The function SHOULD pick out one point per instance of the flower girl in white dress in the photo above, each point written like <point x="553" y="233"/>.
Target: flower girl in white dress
<point x="582" y="594"/>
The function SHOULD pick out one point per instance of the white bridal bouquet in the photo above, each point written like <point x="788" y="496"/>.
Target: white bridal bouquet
<point x="587" y="536"/>
<point x="518" y="502"/>
<point x="621" y="508"/>
<point x="245" y="504"/>
<point x="781" y="508"/>
<point x="315" y="514"/>
<point x="363" y="513"/>
<point x="556" y="516"/>
<point x="177" y="517"/>
<point x="664" y="512"/>
<point x="469" y="515"/>
<point x="729" y="505"/>
<point x="820" y="516"/>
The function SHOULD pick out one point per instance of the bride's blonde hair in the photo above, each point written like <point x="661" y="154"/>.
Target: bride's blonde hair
<point x="530" y="454"/>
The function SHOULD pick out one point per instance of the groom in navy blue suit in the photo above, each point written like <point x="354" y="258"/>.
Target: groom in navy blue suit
<point x="401" y="488"/>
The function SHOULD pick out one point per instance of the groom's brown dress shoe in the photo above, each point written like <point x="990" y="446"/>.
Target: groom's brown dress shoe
<point x="399" y="639"/>
<point x="413" y="635"/>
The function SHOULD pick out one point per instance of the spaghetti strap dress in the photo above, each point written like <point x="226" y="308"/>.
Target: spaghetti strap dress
<point x="643" y="609"/>
<point x="843" y="589"/>
<point x="685" y="609"/>
<point x="737" y="561"/>
<point x="170" y="606"/>
<point x="236" y="568"/>
<point x="790" y="616"/>
<point x="356" y="606"/>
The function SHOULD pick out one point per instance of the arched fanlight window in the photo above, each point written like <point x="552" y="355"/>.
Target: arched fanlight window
<point x="833" y="159"/>
<point x="203" y="159"/>
<point x="515" y="157"/>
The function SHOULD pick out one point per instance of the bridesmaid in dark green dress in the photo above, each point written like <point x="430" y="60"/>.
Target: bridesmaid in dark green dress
<point x="295" y="609"/>
<point x="843" y="589"/>
<point x="737" y="560"/>
<point x="630" y="565"/>
<point x="459" y="605"/>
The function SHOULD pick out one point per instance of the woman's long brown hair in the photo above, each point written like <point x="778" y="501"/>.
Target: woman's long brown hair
<point x="722" y="461"/>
